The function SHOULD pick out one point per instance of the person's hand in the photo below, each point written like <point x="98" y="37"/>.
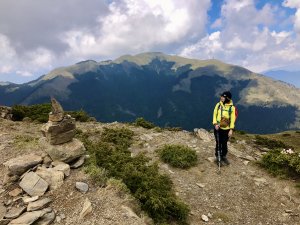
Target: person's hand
<point x="217" y="127"/>
<point x="230" y="133"/>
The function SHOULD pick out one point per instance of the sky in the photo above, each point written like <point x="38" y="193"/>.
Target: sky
<point x="37" y="36"/>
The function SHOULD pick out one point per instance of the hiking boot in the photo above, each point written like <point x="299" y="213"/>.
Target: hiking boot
<point x="225" y="161"/>
<point x="221" y="162"/>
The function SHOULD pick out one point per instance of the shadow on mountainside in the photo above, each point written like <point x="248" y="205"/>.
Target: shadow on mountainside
<point x="242" y="194"/>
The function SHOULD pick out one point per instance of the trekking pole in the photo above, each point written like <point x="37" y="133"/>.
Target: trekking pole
<point x="219" y="153"/>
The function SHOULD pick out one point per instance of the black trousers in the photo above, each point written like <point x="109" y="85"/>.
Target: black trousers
<point x="223" y="139"/>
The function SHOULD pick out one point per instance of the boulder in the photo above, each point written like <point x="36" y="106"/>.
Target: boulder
<point x="19" y="165"/>
<point x="66" y="152"/>
<point x="33" y="184"/>
<point x="53" y="177"/>
<point x="203" y="134"/>
<point x="78" y="163"/>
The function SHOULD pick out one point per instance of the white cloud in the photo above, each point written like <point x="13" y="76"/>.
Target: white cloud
<point x="294" y="4"/>
<point x="133" y="26"/>
<point x="245" y="38"/>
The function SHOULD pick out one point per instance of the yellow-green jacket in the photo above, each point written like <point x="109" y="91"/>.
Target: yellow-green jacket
<point x="223" y="110"/>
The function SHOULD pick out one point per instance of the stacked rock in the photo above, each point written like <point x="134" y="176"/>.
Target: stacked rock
<point x="6" y="112"/>
<point x="60" y="128"/>
<point x="59" y="132"/>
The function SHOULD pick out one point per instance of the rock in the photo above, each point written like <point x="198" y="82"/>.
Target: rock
<point x="200" y="185"/>
<point x="204" y="135"/>
<point x="6" y="112"/>
<point x="209" y="215"/>
<point x="28" y="217"/>
<point x="248" y="157"/>
<point x="59" y="133"/>
<point x="19" y="165"/>
<point x="211" y="159"/>
<point x="204" y="218"/>
<point x="10" y="179"/>
<point x="4" y="221"/>
<point x="87" y="208"/>
<point x="53" y="177"/>
<point x="47" y="161"/>
<point x="245" y="162"/>
<point x="46" y="219"/>
<point x="129" y="212"/>
<point x="14" y="212"/>
<point x="2" y="211"/>
<point x="78" y="163"/>
<point x="30" y="199"/>
<point x="260" y="181"/>
<point x="33" y="184"/>
<point x="63" y="167"/>
<point x="83" y="187"/>
<point x="15" y="192"/>
<point x="37" y="205"/>
<point x="57" y="112"/>
<point x="66" y="152"/>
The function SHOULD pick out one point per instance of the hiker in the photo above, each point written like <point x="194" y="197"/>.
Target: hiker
<point x="223" y="120"/>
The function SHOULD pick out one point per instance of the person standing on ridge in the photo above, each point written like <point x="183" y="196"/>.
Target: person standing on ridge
<point x="223" y="120"/>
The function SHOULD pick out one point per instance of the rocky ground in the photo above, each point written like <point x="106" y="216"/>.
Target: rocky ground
<point x="242" y="194"/>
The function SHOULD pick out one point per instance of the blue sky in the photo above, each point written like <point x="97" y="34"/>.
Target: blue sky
<point x="38" y="36"/>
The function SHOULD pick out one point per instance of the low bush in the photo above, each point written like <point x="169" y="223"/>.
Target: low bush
<point x="269" y="143"/>
<point x="178" y="156"/>
<point x="144" y="123"/>
<point x="40" y="113"/>
<point x="153" y="190"/>
<point x="284" y="163"/>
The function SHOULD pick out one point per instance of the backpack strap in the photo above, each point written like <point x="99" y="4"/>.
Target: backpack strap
<point x="219" y="107"/>
<point x="229" y="111"/>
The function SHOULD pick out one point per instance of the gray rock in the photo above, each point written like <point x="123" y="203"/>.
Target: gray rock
<point x="19" y="165"/>
<point x="30" y="199"/>
<point x="33" y="184"/>
<point x="37" y="205"/>
<point x="204" y="135"/>
<point x="28" y="217"/>
<point x="204" y="218"/>
<point x="63" y="167"/>
<point x="83" y="187"/>
<point x="2" y="211"/>
<point x="53" y="177"/>
<point x="78" y="163"/>
<point x="47" y="219"/>
<point x="4" y="221"/>
<point x="66" y="152"/>
<point x="14" y="212"/>
<point x="59" y="132"/>
<point x="57" y="112"/>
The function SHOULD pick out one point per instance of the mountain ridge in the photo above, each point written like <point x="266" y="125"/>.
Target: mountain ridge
<point x="165" y="89"/>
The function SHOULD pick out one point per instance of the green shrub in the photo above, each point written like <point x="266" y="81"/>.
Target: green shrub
<point x="281" y="164"/>
<point x="80" y="115"/>
<point x="241" y="132"/>
<point x="178" y="156"/>
<point x="286" y="135"/>
<point x="98" y="175"/>
<point x="39" y="112"/>
<point x="269" y="143"/>
<point x="153" y="190"/>
<point x="144" y="123"/>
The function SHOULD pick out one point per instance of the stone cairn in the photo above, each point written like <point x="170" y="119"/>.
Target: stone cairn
<point x="38" y="174"/>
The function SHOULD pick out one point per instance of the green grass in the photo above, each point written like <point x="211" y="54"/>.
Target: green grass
<point x="153" y="190"/>
<point x="178" y="156"/>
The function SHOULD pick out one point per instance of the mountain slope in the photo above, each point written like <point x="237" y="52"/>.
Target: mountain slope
<point x="291" y="77"/>
<point x="167" y="90"/>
